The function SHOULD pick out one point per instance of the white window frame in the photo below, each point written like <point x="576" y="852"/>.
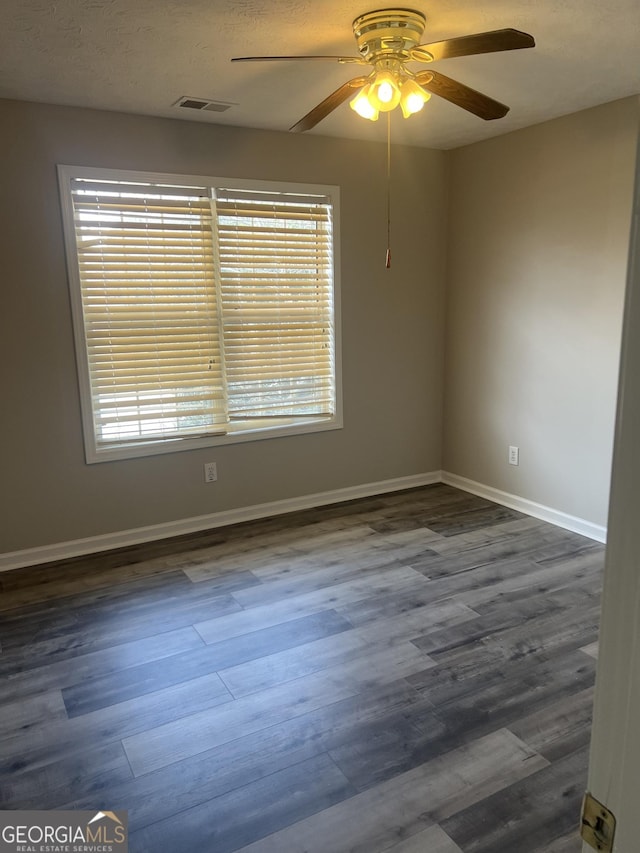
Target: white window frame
<point x="96" y="453"/>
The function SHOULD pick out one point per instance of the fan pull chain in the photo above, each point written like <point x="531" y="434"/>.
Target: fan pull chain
<point x="388" y="258"/>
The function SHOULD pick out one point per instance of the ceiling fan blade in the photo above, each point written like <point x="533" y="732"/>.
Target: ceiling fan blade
<point x="340" y="59"/>
<point x="491" y="42"/>
<point x="328" y="105"/>
<point x="461" y="95"/>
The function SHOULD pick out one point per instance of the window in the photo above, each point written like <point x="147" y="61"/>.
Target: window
<point x="204" y="309"/>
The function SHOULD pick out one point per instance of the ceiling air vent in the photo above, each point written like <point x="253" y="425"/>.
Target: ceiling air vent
<point x="200" y="104"/>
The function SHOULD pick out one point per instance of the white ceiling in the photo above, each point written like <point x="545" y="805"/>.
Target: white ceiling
<point x="142" y="55"/>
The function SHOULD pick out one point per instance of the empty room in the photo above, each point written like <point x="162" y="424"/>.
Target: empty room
<point x="320" y="349"/>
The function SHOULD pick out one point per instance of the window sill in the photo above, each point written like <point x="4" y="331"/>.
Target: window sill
<point x="237" y="435"/>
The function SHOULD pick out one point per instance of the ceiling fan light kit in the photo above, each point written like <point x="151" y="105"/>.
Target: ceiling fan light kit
<point x="388" y="89"/>
<point x="385" y="39"/>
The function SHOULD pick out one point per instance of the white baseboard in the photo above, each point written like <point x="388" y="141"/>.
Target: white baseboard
<point x="136" y="536"/>
<point x="545" y="513"/>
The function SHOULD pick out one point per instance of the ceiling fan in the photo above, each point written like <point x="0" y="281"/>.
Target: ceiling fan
<point x="387" y="40"/>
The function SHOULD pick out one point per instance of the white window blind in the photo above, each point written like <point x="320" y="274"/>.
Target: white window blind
<point x="276" y="267"/>
<point x="145" y="258"/>
<point x="205" y="311"/>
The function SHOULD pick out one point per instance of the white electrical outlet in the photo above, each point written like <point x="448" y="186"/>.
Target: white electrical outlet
<point x="514" y="455"/>
<point x="210" y="472"/>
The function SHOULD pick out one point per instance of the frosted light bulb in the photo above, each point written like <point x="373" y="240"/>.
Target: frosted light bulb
<point x="385" y="92"/>
<point x="364" y="109"/>
<point x="413" y="98"/>
<point x="363" y="106"/>
<point x="414" y="103"/>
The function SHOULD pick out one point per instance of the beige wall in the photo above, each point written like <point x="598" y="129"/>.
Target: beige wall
<point x="537" y="257"/>
<point x="391" y="322"/>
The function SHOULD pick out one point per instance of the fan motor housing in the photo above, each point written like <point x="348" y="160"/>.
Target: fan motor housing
<point x="388" y="32"/>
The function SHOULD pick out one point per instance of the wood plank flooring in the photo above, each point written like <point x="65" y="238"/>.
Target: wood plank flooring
<point x="410" y="673"/>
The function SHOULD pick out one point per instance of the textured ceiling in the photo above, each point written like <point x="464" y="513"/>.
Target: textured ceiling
<point x="142" y="55"/>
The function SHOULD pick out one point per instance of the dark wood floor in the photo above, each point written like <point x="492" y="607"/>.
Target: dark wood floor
<point x="411" y="673"/>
